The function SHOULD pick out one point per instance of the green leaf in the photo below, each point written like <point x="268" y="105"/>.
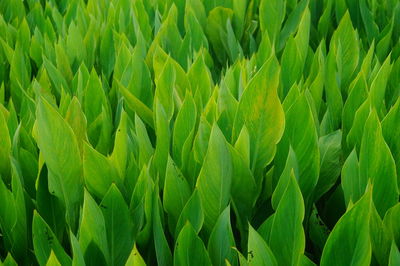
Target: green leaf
<point x="200" y="145"/>
<point x="215" y="178"/>
<point x="141" y="205"/>
<point x="295" y="53"/>
<point x="391" y="221"/>
<point x="20" y="229"/>
<point x="291" y="166"/>
<point x="119" y="156"/>
<point x="123" y="73"/>
<point x="133" y="103"/>
<point x="5" y="148"/>
<point x="292" y="23"/>
<point x="77" y="120"/>
<point x="394" y="258"/>
<point x="9" y="261"/>
<point x="305" y="261"/>
<point x="301" y="135"/>
<point x="368" y="19"/>
<point x="178" y="80"/>
<point x="271" y="15"/>
<point x="53" y="260"/>
<point x="145" y="147"/>
<point x="262" y="113"/>
<point x="168" y="34"/>
<point x="318" y="231"/>
<point x="200" y="80"/>
<point x="163" y="252"/>
<point x="226" y="107"/>
<point x="98" y="171"/>
<point x="216" y="31"/>
<point x="136" y="75"/>
<point x="118" y="225"/>
<point x="382" y="47"/>
<point x="94" y="97"/>
<point x="190" y="249"/>
<point x="92" y="233"/>
<point x="287" y="239"/>
<point x="244" y="188"/>
<point x="330" y="150"/>
<point x="391" y="132"/>
<point x="264" y="51"/>
<point x="75" y="44"/>
<point x="8" y="216"/>
<point x="239" y="13"/>
<point x="165" y="88"/>
<point x="355" y="134"/>
<point x="184" y="128"/>
<point x="107" y="51"/>
<point x="193" y="213"/>
<point x="348" y="243"/>
<point x="57" y="80"/>
<point x="378" y="86"/>
<point x="161" y="152"/>
<point x="59" y="147"/>
<point x="345" y="46"/>
<point x="77" y="259"/>
<point x="50" y="208"/>
<point x="380" y="239"/>
<point x="259" y="252"/>
<point x="46" y="242"/>
<point x="176" y="193"/>
<point x="316" y="77"/>
<point x="134" y="258"/>
<point x="20" y="71"/>
<point x="353" y="186"/>
<point x="63" y="64"/>
<point x="378" y="166"/>
<point x="222" y="240"/>
<point x="333" y="95"/>
<point x="357" y="95"/>
<point x="194" y="19"/>
<point x="242" y="145"/>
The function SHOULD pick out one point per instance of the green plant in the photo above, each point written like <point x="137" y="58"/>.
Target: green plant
<point x="196" y="132"/>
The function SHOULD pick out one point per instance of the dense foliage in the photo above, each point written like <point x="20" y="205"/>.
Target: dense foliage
<point x="199" y="132"/>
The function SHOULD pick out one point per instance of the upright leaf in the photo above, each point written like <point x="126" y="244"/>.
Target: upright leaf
<point x="135" y="259"/>
<point x="259" y="252"/>
<point x="192" y="213"/>
<point x="349" y="243"/>
<point x="45" y="242"/>
<point x="345" y="45"/>
<point x="271" y="15"/>
<point x="353" y="186"/>
<point x="5" y="148"/>
<point x="53" y="261"/>
<point x="190" y="249"/>
<point x="221" y="242"/>
<point x="163" y="252"/>
<point x="287" y="238"/>
<point x="377" y="164"/>
<point x="301" y="135"/>
<point x="92" y="233"/>
<point x="176" y="193"/>
<point x="394" y="258"/>
<point x="262" y="113"/>
<point x="59" y="147"/>
<point x="215" y="178"/>
<point x="391" y="133"/>
<point x="98" y="172"/>
<point x="118" y="225"/>
<point x="330" y="161"/>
